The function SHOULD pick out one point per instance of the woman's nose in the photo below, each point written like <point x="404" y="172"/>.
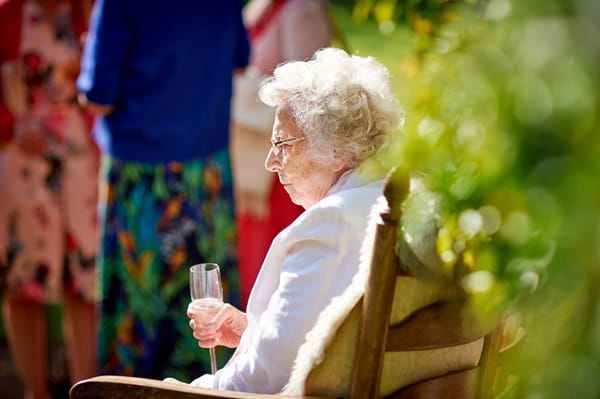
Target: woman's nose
<point x="272" y="161"/>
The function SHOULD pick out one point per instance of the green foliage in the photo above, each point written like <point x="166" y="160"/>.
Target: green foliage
<point x="502" y="122"/>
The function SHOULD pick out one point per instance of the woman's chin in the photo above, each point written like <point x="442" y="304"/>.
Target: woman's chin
<point x="293" y="197"/>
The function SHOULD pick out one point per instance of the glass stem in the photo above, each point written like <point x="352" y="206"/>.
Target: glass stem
<point x="213" y="360"/>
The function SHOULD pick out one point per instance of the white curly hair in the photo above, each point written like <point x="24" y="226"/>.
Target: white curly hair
<point x="342" y="102"/>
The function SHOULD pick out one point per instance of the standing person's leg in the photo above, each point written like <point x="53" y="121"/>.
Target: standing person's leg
<point x="79" y="324"/>
<point x="32" y="243"/>
<point x="25" y="323"/>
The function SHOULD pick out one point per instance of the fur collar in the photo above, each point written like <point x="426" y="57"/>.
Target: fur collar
<point x="311" y="352"/>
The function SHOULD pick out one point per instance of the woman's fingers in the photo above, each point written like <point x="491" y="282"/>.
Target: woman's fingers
<point x="207" y="338"/>
<point x="190" y="311"/>
<point x="208" y="343"/>
<point x="214" y="322"/>
<point x="174" y="380"/>
<point x="217" y="321"/>
<point x="224" y="328"/>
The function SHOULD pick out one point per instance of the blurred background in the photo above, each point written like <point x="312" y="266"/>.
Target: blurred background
<point x="502" y="101"/>
<point x="502" y="117"/>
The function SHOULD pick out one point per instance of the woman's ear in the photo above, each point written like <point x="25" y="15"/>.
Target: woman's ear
<point x="341" y="161"/>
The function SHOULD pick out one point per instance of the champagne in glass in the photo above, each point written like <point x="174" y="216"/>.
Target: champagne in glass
<point x="207" y="297"/>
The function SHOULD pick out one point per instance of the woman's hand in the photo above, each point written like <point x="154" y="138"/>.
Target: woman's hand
<point x="94" y="108"/>
<point x="225" y="328"/>
<point x="174" y="380"/>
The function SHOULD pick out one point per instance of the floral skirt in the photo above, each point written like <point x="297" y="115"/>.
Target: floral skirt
<point x="159" y="219"/>
<point x="48" y="224"/>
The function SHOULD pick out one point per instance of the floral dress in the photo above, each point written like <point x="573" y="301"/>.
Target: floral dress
<point x="48" y="165"/>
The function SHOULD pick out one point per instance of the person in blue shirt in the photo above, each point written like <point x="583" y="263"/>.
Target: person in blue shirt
<point x="159" y="77"/>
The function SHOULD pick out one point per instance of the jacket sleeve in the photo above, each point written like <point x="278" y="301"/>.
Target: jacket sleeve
<point x="242" y="55"/>
<point x="105" y="52"/>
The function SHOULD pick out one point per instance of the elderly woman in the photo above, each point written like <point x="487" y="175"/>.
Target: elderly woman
<point x="333" y="113"/>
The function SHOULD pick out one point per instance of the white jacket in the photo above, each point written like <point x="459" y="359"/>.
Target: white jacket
<point x="309" y="263"/>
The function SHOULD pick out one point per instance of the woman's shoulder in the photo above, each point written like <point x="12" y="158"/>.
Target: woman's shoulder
<point x="352" y="197"/>
<point x="350" y="205"/>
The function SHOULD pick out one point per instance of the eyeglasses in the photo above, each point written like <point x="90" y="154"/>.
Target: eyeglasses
<point x="276" y="145"/>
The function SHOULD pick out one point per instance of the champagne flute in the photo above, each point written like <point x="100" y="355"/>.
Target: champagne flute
<point x="207" y="297"/>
